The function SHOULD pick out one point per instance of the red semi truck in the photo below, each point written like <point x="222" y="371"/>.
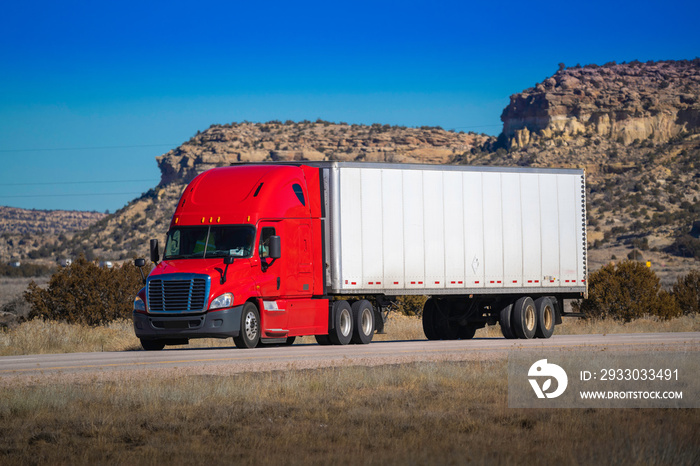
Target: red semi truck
<point x="265" y="253"/>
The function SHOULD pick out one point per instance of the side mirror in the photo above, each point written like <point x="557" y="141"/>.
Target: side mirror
<point x="275" y="247"/>
<point x="155" y="253"/>
<point x="140" y="263"/>
<point x="228" y="260"/>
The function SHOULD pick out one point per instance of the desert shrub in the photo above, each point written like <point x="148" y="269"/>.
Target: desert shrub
<point x="411" y="305"/>
<point x="686" y="291"/>
<point x="626" y="291"/>
<point x="685" y="246"/>
<point x="85" y="293"/>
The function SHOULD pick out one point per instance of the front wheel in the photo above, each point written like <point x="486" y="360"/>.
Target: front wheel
<point x="249" y="335"/>
<point x="152" y="345"/>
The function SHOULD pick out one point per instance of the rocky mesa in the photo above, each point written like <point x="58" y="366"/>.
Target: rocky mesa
<point x="622" y="102"/>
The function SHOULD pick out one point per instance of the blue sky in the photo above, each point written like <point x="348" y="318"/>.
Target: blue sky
<point x="92" y="92"/>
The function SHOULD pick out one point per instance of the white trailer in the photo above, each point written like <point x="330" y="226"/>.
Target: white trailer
<point x="486" y="244"/>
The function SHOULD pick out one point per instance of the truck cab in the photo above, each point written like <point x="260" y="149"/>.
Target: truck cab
<point x="242" y="259"/>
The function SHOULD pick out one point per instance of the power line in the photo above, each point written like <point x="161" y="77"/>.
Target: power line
<point x="76" y="182"/>
<point x="56" y="149"/>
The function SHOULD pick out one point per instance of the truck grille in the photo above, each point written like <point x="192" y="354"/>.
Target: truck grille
<point x="178" y="294"/>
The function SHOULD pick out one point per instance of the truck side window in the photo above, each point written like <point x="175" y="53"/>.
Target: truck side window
<point x="300" y="193"/>
<point x="265" y="241"/>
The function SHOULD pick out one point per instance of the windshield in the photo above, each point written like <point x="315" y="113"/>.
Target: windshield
<point x="209" y="241"/>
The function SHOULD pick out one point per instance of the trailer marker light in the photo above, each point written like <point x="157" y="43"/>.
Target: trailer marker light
<point x="420" y="283"/>
<point x="537" y="281"/>
<point x="370" y="283"/>
<point x="203" y="219"/>
<point x="353" y="283"/>
<point x="476" y="281"/>
<point x="248" y="218"/>
<point x="460" y="283"/>
<point x="177" y="219"/>
<point x="493" y="281"/>
<point x="211" y="219"/>
<point x="452" y="283"/>
<point x="437" y="283"/>
<point x="218" y="219"/>
<point x="529" y="281"/>
<point x="379" y="283"/>
<point x="515" y="281"/>
<point x="396" y="283"/>
<point x="413" y="283"/>
<point x="498" y="281"/>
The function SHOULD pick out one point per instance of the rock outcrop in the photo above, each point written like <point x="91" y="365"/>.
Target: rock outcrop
<point x="627" y="103"/>
<point x="222" y="145"/>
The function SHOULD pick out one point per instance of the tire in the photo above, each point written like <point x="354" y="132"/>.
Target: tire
<point x="505" y="319"/>
<point x="323" y="340"/>
<point x="444" y="327"/>
<point x="363" y="322"/>
<point x="289" y="342"/>
<point x="249" y="336"/>
<point x="429" y="312"/>
<point x="152" y="345"/>
<point x="525" y="318"/>
<point x="545" y="317"/>
<point x="341" y="334"/>
<point x="467" y="332"/>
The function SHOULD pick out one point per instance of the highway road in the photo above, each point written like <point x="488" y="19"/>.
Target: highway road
<point x="232" y="360"/>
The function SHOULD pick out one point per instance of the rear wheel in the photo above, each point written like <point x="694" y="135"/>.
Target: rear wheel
<point x="341" y="334"/>
<point x="152" y="345"/>
<point x="429" y="312"/>
<point x="545" y="317"/>
<point x="467" y="332"/>
<point x="446" y="329"/>
<point x="505" y="319"/>
<point x="363" y="320"/>
<point x="524" y="318"/>
<point x="290" y="341"/>
<point x="323" y="340"/>
<point x="249" y="335"/>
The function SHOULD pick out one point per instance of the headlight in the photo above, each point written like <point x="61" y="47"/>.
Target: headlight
<point x="225" y="300"/>
<point x="139" y="305"/>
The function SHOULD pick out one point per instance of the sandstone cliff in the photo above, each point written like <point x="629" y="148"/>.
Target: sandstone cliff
<point x="223" y="145"/>
<point x="630" y="102"/>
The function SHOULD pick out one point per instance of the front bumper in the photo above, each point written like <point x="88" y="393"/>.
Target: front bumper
<point x="214" y="324"/>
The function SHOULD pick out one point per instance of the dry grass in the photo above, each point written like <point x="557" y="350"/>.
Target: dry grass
<point x="39" y="337"/>
<point x="423" y="413"/>
<point x="43" y="337"/>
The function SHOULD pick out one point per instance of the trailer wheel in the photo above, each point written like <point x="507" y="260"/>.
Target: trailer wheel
<point x="525" y="318"/>
<point x="545" y="318"/>
<point x="341" y="334"/>
<point x="249" y="336"/>
<point x="467" y="332"/>
<point x="446" y="329"/>
<point x="152" y="345"/>
<point x="505" y="320"/>
<point x="363" y="322"/>
<point x="429" y="312"/>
